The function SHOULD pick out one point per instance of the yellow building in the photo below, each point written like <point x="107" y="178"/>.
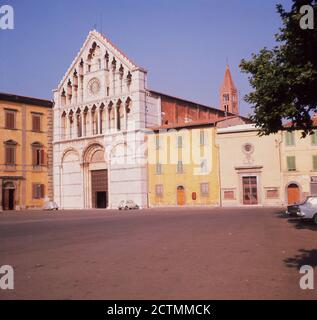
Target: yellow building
<point x="299" y="165"/>
<point x="25" y="152"/>
<point x="183" y="166"/>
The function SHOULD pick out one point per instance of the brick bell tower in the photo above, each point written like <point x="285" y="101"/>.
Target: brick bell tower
<point x="229" y="94"/>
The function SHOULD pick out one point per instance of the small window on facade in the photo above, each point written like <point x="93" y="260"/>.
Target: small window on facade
<point x="314" y="138"/>
<point x="291" y="163"/>
<point x="228" y="195"/>
<point x="10" y="119"/>
<point x="158" y="168"/>
<point x="108" y="92"/>
<point x="159" y="190"/>
<point x="204" y="189"/>
<point x="179" y="141"/>
<point x="180" y="167"/>
<point x="36" y="122"/>
<point x="272" y="193"/>
<point x="315" y="162"/>
<point x="38" y="191"/>
<point x="290" y="138"/>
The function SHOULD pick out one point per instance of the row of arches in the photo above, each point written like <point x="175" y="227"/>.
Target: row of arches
<point x="95" y="120"/>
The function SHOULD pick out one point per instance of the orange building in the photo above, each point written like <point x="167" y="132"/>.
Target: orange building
<point x="25" y="152"/>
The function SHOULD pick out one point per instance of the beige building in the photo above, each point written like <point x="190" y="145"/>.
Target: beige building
<point x="299" y="166"/>
<point x="250" y="167"/>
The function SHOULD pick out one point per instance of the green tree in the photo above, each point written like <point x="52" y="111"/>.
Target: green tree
<point x="284" y="79"/>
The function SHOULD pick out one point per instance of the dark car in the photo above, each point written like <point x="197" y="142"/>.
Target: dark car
<point x="292" y="210"/>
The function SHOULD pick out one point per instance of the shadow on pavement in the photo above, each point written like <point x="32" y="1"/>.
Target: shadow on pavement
<point x="304" y="257"/>
<point x="298" y="223"/>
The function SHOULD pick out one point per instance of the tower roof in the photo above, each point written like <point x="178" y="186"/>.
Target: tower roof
<point x="228" y="83"/>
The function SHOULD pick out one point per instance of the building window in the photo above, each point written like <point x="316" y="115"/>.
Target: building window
<point x="204" y="189"/>
<point x="159" y="190"/>
<point x="291" y="163"/>
<point x="272" y="193"/>
<point x="290" y="138"/>
<point x="38" y="191"/>
<point x="10" y="119"/>
<point x="158" y="168"/>
<point x="226" y="97"/>
<point x="10" y="151"/>
<point x="228" y="195"/>
<point x="36" y="122"/>
<point x="314" y="138"/>
<point x="180" y="167"/>
<point x="157" y="142"/>
<point x="38" y="155"/>
<point x="179" y="142"/>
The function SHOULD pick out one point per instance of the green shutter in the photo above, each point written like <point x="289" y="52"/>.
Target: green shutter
<point x="315" y="162"/>
<point x="291" y="163"/>
<point x="289" y="138"/>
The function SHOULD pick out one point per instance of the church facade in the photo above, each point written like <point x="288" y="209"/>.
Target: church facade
<point x="102" y="111"/>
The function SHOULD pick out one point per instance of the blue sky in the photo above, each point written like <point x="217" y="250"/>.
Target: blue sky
<point x="184" y="44"/>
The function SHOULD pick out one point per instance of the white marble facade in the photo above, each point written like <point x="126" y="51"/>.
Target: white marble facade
<point x="101" y="111"/>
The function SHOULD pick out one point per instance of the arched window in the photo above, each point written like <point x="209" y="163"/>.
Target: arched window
<point x="63" y="125"/>
<point x="78" y="123"/>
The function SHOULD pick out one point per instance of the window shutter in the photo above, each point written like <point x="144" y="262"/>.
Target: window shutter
<point x="34" y="156"/>
<point x="7" y="152"/>
<point x="36" y="123"/>
<point x="315" y="162"/>
<point x="9" y="116"/>
<point x="42" y="190"/>
<point x="291" y="164"/>
<point x="34" y="191"/>
<point x="43" y="157"/>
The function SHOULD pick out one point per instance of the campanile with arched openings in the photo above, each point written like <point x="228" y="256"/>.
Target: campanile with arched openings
<point x="229" y="94"/>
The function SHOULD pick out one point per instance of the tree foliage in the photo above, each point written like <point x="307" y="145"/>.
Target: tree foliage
<point x="284" y="78"/>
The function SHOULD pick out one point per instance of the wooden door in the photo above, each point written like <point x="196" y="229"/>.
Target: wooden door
<point x="180" y="196"/>
<point x="8" y="199"/>
<point x="250" y="190"/>
<point x="293" y="194"/>
<point x="99" y="188"/>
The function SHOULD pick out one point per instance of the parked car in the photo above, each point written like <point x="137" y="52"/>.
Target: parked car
<point x="308" y="209"/>
<point x="127" y="205"/>
<point x="50" y="205"/>
<point x="292" y="210"/>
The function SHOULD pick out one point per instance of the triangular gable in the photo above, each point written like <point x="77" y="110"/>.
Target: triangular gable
<point x="114" y="50"/>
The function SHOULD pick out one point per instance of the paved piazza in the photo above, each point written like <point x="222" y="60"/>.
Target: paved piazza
<point x="201" y="253"/>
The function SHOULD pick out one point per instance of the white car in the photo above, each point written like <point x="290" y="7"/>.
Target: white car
<point x="50" y="205"/>
<point x="127" y="205"/>
<point x="308" y="209"/>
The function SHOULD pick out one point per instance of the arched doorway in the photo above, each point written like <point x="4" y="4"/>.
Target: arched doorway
<point x="293" y="193"/>
<point x="8" y="196"/>
<point x="180" y="196"/>
<point x="96" y="173"/>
